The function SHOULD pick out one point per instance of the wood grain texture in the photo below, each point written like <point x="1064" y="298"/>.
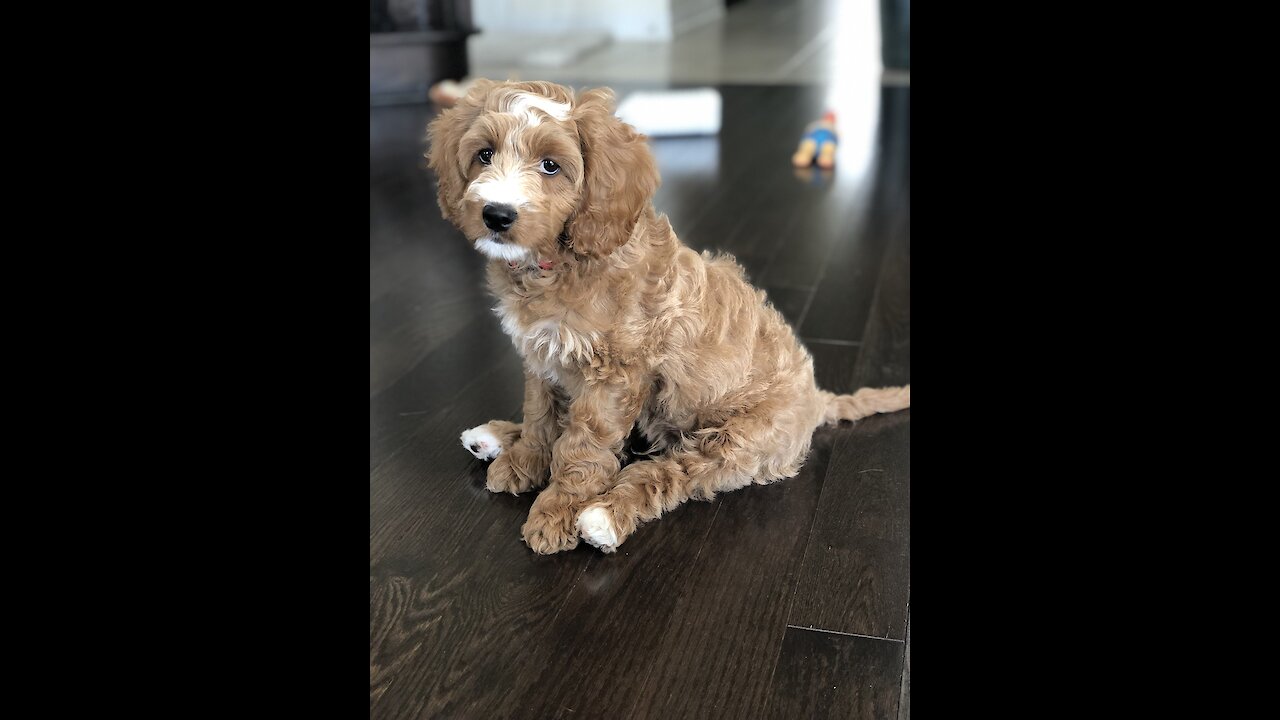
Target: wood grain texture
<point x="824" y="675"/>
<point x="419" y="484"/>
<point x="904" y="697"/>
<point x="842" y="299"/>
<point x="843" y="295"/>
<point x="856" y="569"/>
<point x="791" y="302"/>
<point x="833" y="365"/>
<point x="593" y="658"/>
<point x="443" y="376"/>
<point x="403" y="330"/>
<point x="455" y="636"/>
<point x="799" y="263"/>
<point x="855" y="573"/>
<point x="885" y="356"/>
<point x="725" y="632"/>
<point x="448" y="567"/>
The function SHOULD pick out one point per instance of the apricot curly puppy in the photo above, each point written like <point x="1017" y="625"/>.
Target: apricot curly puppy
<point x="619" y="324"/>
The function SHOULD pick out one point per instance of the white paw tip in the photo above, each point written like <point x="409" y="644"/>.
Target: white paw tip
<point x="480" y="442"/>
<point x="596" y="528"/>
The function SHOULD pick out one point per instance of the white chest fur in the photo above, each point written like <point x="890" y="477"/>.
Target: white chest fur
<point x="549" y="346"/>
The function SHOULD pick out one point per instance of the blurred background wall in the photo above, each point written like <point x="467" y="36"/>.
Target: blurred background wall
<point x="414" y="43"/>
<point x="653" y="20"/>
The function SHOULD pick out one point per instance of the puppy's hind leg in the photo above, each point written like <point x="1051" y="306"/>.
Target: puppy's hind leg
<point x="745" y="450"/>
<point x="488" y="441"/>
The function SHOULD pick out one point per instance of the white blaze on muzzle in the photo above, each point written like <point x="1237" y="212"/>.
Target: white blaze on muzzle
<point x="505" y="189"/>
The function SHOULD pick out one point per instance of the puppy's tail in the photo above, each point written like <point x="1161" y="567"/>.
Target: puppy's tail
<point x="867" y="401"/>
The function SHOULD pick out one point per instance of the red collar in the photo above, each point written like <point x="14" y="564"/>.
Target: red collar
<point x="544" y="264"/>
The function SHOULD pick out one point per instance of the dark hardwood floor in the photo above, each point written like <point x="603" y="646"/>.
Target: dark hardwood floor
<point x="788" y="600"/>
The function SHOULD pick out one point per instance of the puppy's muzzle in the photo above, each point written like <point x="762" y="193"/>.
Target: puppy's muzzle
<point x="499" y="217"/>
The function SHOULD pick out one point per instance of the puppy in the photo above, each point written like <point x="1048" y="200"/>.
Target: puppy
<point x="619" y="324"/>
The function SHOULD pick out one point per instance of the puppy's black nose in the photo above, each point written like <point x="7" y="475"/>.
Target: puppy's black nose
<point x="499" y="217"/>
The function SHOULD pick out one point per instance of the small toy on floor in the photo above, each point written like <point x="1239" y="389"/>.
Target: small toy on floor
<point x="818" y="144"/>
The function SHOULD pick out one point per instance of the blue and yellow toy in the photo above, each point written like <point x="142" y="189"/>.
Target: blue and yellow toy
<point x="818" y="144"/>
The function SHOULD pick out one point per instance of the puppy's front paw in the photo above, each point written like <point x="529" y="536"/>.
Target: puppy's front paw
<point x="481" y="442"/>
<point x="595" y="525"/>
<point x="549" y="528"/>
<point x="518" y="470"/>
<point x="545" y="535"/>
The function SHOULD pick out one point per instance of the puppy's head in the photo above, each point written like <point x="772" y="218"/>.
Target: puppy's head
<point x="526" y="168"/>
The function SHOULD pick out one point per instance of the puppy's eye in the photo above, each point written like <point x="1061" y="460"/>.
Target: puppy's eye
<point x="485" y="156"/>
<point x="549" y="167"/>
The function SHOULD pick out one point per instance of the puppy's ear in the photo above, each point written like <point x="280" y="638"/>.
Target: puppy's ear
<point x="619" y="176"/>
<point x="445" y="134"/>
